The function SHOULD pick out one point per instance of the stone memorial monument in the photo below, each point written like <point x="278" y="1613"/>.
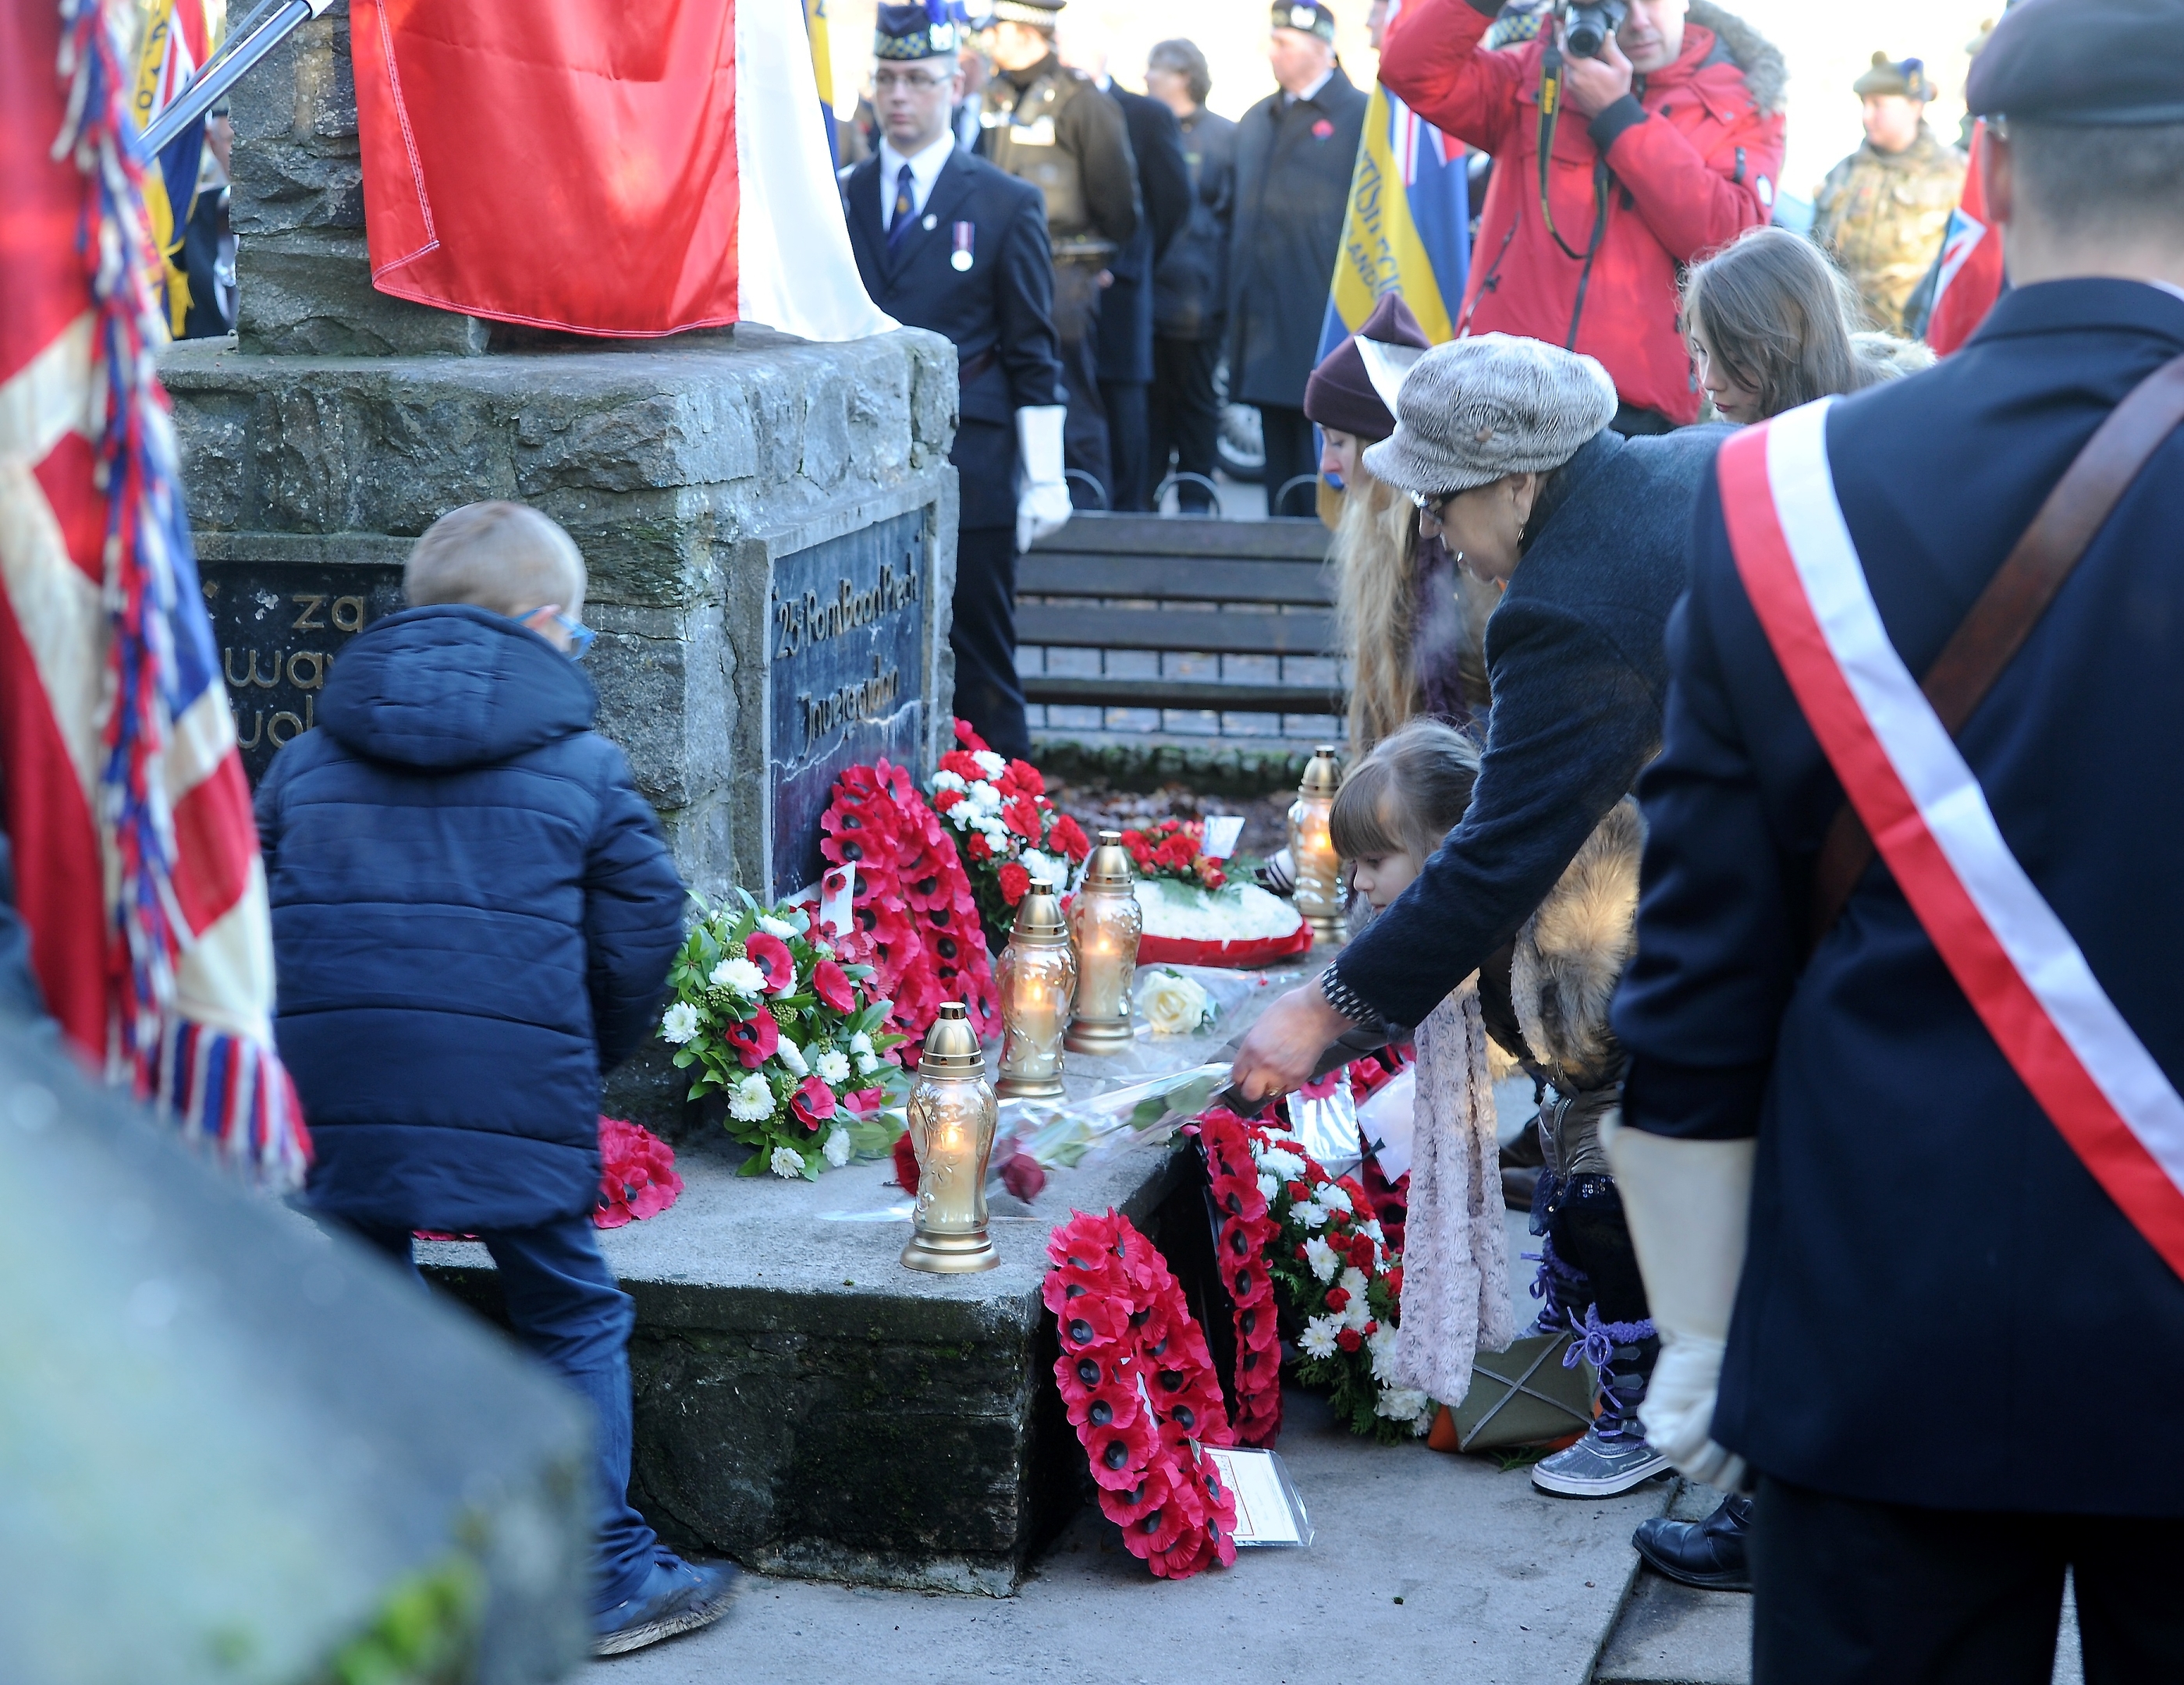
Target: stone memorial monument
<point x="770" y="525"/>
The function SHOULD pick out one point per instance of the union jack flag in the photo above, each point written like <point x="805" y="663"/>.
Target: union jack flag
<point x="136" y="863"/>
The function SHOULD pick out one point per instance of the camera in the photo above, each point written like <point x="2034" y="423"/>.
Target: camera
<point x="1588" y="24"/>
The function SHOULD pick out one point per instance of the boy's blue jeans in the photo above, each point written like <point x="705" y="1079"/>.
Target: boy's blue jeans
<point x="567" y="1309"/>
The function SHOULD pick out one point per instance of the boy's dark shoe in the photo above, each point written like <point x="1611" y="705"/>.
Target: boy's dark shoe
<point x="676" y="1597"/>
<point x="1711" y="1555"/>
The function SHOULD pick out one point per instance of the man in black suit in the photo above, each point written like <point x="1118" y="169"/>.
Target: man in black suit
<point x="946" y="242"/>
<point x="1903" y="1151"/>
<point x="1295" y="152"/>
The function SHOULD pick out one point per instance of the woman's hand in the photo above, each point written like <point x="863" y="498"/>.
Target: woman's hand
<point x="1279" y="1054"/>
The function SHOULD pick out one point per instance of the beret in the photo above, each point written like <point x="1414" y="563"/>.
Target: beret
<point x="1906" y="76"/>
<point x="1307" y="15"/>
<point x="1343" y="393"/>
<point x="1475" y="410"/>
<point x="2107" y="64"/>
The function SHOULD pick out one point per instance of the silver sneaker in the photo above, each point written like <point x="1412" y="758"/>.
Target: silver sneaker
<point x="1600" y="1465"/>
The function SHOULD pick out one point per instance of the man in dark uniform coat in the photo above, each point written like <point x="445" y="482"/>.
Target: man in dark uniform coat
<point x="1190" y="287"/>
<point x="1954" y="1355"/>
<point x="946" y="242"/>
<point x="1295" y="152"/>
<point x="1051" y="126"/>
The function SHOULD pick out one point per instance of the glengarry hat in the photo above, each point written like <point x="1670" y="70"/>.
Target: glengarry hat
<point x="1038" y="14"/>
<point x="2110" y="64"/>
<point x="930" y="29"/>
<point x="1354" y="387"/>
<point x="1476" y="409"/>
<point x="1307" y="15"/>
<point x="1905" y="76"/>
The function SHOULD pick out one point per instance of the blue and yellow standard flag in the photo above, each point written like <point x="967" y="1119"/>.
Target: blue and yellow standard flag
<point x="176" y="46"/>
<point x="1408" y="230"/>
<point x="823" y="70"/>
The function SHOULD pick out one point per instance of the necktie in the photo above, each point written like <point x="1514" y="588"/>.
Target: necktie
<point x="905" y="212"/>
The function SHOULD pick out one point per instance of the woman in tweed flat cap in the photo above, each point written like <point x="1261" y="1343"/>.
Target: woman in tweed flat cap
<point x="1504" y="446"/>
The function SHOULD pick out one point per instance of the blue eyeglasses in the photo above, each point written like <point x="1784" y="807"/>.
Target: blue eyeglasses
<point x="581" y="637"/>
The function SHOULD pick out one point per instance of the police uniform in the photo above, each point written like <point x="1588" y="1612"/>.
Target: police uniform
<point x="972" y="265"/>
<point x="1882" y="215"/>
<point x="1957" y="1342"/>
<point x="1051" y="126"/>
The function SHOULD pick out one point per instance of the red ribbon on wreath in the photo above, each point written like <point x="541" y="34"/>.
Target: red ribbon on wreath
<point x="1246" y="1233"/>
<point x="1141" y="1390"/>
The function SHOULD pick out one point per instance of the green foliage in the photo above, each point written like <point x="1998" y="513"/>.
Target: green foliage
<point x="425" y="1633"/>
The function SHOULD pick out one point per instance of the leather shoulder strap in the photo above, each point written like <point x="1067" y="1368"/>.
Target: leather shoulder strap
<point x="2005" y="613"/>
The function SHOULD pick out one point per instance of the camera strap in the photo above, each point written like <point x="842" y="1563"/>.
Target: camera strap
<point x="1551" y="107"/>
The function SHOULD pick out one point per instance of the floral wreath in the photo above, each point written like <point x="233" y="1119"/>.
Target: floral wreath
<point x="1005" y="827"/>
<point x="1246" y="1233"/>
<point x="1141" y="1392"/>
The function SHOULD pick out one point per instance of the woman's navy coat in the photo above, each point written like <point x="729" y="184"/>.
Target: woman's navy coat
<point x="473" y="916"/>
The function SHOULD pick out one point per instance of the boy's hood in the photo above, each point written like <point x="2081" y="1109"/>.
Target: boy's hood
<point x="453" y="687"/>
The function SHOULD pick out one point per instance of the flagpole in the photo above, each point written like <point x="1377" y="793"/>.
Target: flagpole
<point x="217" y="78"/>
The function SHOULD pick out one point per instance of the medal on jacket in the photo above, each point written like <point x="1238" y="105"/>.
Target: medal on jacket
<point x="960" y="258"/>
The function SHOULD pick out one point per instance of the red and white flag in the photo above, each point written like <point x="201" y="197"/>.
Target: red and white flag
<point x="136" y="863"/>
<point x="603" y="167"/>
<point x="2019" y="967"/>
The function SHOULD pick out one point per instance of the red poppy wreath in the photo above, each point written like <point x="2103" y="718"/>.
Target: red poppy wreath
<point x="1247" y="1233"/>
<point x="1141" y="1392"/>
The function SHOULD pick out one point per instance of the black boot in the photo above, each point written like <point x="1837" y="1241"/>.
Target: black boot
<point x="1709" y="1554"/>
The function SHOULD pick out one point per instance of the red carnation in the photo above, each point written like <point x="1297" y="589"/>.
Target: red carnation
<point x="942" y="800"/>
<point x="1027" y="777"/>
<point x="1396" y="1282"/>
<point x="980" y="849"/>
<point x="1298" y="1191"/>
<point x="829" y="983"/>
<point x="1016" y="883"/>
<point x="813" y="1102"/>
<point x="1337" y="1298"/>
<point x="1348" y="1339"/>
<point x="755" y="1039"/>
<point x="960" y="763"/>
<point x="1069" y="837"/>
<point x="770" y="953"/>
<point x="1021" y="816"/>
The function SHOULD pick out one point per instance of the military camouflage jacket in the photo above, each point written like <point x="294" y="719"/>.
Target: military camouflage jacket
<point x="1882" y="216"/>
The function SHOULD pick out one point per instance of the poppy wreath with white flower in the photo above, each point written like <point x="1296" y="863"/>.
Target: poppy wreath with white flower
<point x="1005" y="826"/>
<point x="1247" y="1233"/>
<point x="1141" y="1390"/>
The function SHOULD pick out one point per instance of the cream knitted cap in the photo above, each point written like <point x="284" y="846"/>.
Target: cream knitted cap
<point x="1475" y="410"/>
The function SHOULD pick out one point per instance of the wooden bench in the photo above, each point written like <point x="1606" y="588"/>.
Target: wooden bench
<point x="1184" y="585"/>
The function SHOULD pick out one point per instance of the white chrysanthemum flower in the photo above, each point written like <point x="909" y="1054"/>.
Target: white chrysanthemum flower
<point x="1042" y="865"/>
<point x="861" y="1043"/>
<point x="1268" y="1187"/>
<point x="993" y="766"/>
<point x="945" y="780"/>
<point x="867" y="1064"/>
<point x="981" y="799"/>
<point x="1356" y="1313"/>
<point x="751" y="1099"/>
<point x="832" y="1066"/>
<point x="1421" y="1424"/>
<point x="1318" y="1338"/>
<point x="1372" y="1228"/>
<point x="1353" y="1282"/>
<point x="742" y="976"/>
<point x="1381" y="1342"/>
<point x="773" y="926"/>
<point x="681" y="1023"/>
<point x="1310" y="1215"/>
<point x="786" y="1161"/>
<point x="1333" y="1198"/>
<point x="838" y="1148"/>
<point x="1320" y="1256"/>
<point x="1401" y="1403"/>
<point x="1284" y="1165"/>
<point x="792" y="1056"/>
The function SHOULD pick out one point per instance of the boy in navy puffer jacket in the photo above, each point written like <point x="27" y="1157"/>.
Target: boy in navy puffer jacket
<point x="473" y="917"/>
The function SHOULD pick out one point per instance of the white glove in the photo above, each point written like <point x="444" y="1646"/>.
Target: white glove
<point x="1688" y="1205"/>
<point x="1042" y="494"/>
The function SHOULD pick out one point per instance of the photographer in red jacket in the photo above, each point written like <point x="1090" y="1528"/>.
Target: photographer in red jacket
<point x="1665" y="145"/>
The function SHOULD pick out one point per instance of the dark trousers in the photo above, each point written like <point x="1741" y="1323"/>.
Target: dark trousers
<point x="1291" y="454"/>
<point x="567" y="1311"/>
<point x="1181" y="418"/>
<point x="984" y="636"/>
<point x="1884" y="1594"/>
<point x="1084" y="429"/>
<point x="1127" y="454"/>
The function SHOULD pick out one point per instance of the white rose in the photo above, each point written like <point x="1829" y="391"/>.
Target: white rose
<point x="833" y="1066"/>
<point x="780" y="928"/>
<point x="867" y="1064"/>
<point x="740" y="976"/>
<point x="792" y="1056"/>
<point x="1173" y="1004"/>
<point x="751" y="1099"/>
<point x="838" y="1148"/>
<point x="861" y="1043"/>
<point x="993" y="766"/>
<point x="786" y="1161"/>
<point x="681" y="1023"/>
<point x="1320" y="1257"/>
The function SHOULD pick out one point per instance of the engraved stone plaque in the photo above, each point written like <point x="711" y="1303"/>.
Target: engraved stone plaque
<point x="846" y="629"/>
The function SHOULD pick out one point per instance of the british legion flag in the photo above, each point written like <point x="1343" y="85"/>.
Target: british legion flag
<point x="137" y="865"/>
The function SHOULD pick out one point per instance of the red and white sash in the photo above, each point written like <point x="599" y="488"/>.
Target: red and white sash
<point x="2020" y="968"/>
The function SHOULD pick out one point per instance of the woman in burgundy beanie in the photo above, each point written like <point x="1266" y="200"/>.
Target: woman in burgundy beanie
<point x="1411" y="624"/>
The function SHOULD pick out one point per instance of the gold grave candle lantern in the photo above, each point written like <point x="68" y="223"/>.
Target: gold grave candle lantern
<point x="1312" y="851"/>
<point x="952" y="1114"/>
<point x="1105" y="924"/>
<point x="1037" y="979"/>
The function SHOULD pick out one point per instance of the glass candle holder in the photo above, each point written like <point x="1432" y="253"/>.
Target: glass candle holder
<point x="1105" y="924"/>
<point x="952" y="1114"/>
<point x="1036" y="979"/>
<point x="1318" y="869"/>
